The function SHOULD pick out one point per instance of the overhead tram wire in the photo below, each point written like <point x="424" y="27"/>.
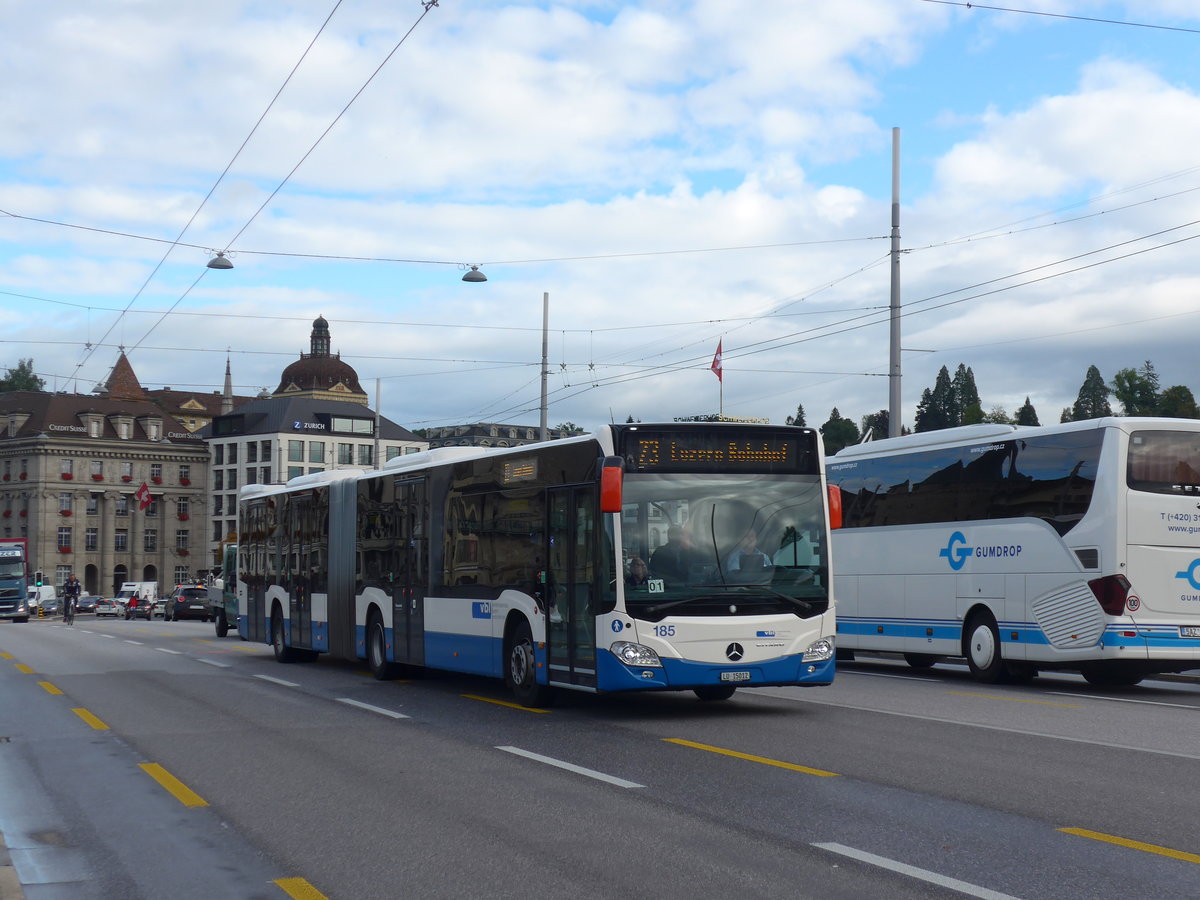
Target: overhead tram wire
<point x="211" y="190"/>
<point x="970" y="4"/>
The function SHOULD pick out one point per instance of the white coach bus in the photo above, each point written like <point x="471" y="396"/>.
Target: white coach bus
<point x="644" y="557"/>
<point x="1073" y="546"/>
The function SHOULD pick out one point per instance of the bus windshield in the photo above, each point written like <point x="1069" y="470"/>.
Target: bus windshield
<point x="694" y="541"/>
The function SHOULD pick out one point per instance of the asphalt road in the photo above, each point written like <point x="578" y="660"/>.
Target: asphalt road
<point x="319" y="781"/>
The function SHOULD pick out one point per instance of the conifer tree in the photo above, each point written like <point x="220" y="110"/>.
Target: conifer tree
<point x="838" y="433"/>
<point x="1092" y="401"/>
<point x="1026" y="415"/>
<point x="798" y="418"/>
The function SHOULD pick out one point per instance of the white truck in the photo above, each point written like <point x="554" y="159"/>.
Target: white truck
<point x="138" y="598"/>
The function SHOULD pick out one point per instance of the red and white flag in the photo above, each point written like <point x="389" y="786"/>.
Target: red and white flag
<point x="143" y="497"/>
<point x="716" y="363"/>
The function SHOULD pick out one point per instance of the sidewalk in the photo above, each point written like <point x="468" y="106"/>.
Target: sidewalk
<point x="10" y="884"/>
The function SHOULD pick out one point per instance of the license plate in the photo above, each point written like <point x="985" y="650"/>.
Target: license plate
<point x="197" y="606"/>
<point x="735" y="676"/>
<point x="1189" y="630"/>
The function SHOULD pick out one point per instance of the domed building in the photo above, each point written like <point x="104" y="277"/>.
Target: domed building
<point x="320" y="374"/>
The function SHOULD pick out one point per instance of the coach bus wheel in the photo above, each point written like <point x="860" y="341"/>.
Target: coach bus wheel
<point x="983" y="649"/>
<point x="1020" y="672"/>
<point x="521" y="673"/>
<point x="377" y="649"/>
<point x="920" y="660"/>
<point x="283" y="653"/>
<point x="712" y="692"/>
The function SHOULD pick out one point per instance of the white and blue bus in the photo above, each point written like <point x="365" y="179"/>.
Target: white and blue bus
<point x="617" y="561"/>
<point x="1073" y="546"/>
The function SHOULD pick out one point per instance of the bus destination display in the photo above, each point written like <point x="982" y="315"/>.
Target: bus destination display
<point x="711" y="453"/>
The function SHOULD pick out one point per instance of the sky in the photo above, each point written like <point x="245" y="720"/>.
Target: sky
<point x="661" y="177"/>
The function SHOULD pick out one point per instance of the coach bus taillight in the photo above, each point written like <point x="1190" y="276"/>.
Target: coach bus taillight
<point x="1111" y="591"/>
<point x="835" y="506"/>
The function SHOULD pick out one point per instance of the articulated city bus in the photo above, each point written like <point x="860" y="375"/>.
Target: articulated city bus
<point x="1073" y="546"/>
<point x="526" y="563"/>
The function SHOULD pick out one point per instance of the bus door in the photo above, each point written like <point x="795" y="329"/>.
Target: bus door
<point x="571" y="583"/>
<point x="412" y="571"/>
<point x="303" y="563"/>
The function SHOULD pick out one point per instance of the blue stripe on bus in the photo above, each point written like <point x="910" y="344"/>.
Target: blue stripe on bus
<point x="475" y="654"/>
<point x="936" y="629"/>
<point x="614" y="675"/>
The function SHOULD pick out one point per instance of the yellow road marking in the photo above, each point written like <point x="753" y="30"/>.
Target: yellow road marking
<point x="174" y="786"/>
<point x="507" y="703"/>
<point x="5" y="654"/>
<point x="21" y="667"/>
<point x="49" y="688"/>
<point x="1133" y="845"/>
<point x="1014" y="699"/>
<point x="758" y="759"/>
<point x="299" y="889"/>
<point x="90" y="719"/>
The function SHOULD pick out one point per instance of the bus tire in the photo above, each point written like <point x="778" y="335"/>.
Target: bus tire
<point x="1020" y="672"/>
<point x="520" y="672"/>
<point x="710" y="693"/>
<point x="921" y="660"/>
<point x="982" y="648"/>
<point x="377" y="659"/>
<point x="222" y="625"/>
<point x="283" y="653"/>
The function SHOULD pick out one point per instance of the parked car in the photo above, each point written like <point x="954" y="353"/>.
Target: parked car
<point x="188" y="602"/>
<point x="86" y="603"/>
<point x="107" y="606"/>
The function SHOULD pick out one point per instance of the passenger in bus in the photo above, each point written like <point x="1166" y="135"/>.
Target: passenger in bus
<point x="674" y="558"/>
<point x="748" y="557"/>
<point x="638" y="574"/>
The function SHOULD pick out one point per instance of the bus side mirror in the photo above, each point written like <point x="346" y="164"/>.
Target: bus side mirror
<point x="835" y="506"/>
<point x="612" y="480"/>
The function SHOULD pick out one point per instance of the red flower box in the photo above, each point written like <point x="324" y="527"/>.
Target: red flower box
<point x="183" y="553"/>
<point x="66" y="476"/>
<point x="8" y="513"/>
<point x="185" y="481"/>
<point x="64" y="549"/>
<point x="127" y="478"/>
<point x="24" y="512"/>
<point x="64" y="512"/>
<point x="156" y="479"/>
<point x="23" y="475"/>
<point x="183" y="517"/>
<point x="97" y="478"/>
<point x="6" y="477"/>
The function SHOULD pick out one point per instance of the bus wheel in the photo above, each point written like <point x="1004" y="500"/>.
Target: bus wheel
<point x="920" y="660"/>
<point x="983" y="649"/>
<point x="283" y="653"/>
<point x="521" y="673"/>
<point x="377" y="650"/>
<point x="712" y="692"/>
<point x="222" y="625"/>
<point x="1020" y="672"/>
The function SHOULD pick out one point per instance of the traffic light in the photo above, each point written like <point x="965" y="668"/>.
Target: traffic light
<point x="37" y="579"/>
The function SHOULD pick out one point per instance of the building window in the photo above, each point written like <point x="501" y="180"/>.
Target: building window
<point x="295" y="451"/>
<point x="391" y="452"/>
<point x="97" y="467"/>
<point x="251" y="452"/>
<point x="219" y="455"/>
<point x="365" y="456"/>
<point x="123" y="430"/>
<point x="64" y="537"/>
<point x="156" y="472"/>
<point x="150" y="540"/>
<point x="216" y="532"/>
<point x="121" y="540"/>
<point x="7" y="469"/>
<point x="218" y="503"/>
<point x="313" y="470"/>
<point x="182" y="576"/>
<point x="91" y="539"/>
<point x="94" y="428"/>
<point x="93" y="504"/>
<point x="345" y="455"/>
<point x="231" y="504"/>
<point x="265" y="451"/>
<point x="181" y="539"/>
<point x="152" y="510"/>
<point x="231" y="454"/>
<point x="185" y="474"/>
<point x="251" y="475"/>
<point x="232" y="480"/>
<point x="64" y="502"/>
<point x="60" y="574"/>
<point x="294" y="472"/>
<point x="121" y="505"/>
<point x="219" y="480"/>
<point x="66" y="467"/>
<point x="316" y="451"/>
<point x="24" y="468"/>
<point x="126" y="471"/>
<point x="264" y="475"/>
<point x="183" y="508"/>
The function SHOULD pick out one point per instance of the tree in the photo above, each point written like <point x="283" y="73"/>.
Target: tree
<point x="997" y="416"/>
<point x="568" y="427"/>
<point x="22" y="378"/>
<point x="838" y="433"/>
<point x="937" y="407"/>
<point x="1137" y="390"/>
<point x="1178" y="402"/>
<point x="631" y="420"/>
<point x="964" y="407"/>
<point x="1092" y="401"/>
<point x="1026" y="415"/>
<point x="798" y="418"/>
<point x="876" y="424"/>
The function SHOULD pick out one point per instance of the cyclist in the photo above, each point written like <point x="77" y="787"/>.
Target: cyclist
<point x="71" y="591"/>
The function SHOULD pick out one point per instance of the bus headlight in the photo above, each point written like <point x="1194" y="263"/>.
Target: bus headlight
<point x="819" y="651"/>
<point x="635" y="655"/>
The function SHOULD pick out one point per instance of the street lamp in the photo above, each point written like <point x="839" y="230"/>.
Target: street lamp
<point x="474" y="275"/>
<point x="220" y="261"/>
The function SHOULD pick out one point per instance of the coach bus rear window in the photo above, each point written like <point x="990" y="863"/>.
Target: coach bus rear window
<point x="1164" y="462"/>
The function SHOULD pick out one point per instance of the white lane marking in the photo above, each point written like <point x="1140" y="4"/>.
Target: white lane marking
<point x="1125" y="700"/>
<point x="172" y="652"/>
<point x="570" y="767"/>
<point x="370" y="708"/>
<point x="128" y="641"/>
<point x="213" y="662"/>
<point x="111" y="637"/>
<point x="277" y="681"/>
<point x="963" y="887"/>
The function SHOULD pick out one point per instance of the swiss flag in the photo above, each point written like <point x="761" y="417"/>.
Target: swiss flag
<point x="716" y="363"/>
<point x="143" y="496"/>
